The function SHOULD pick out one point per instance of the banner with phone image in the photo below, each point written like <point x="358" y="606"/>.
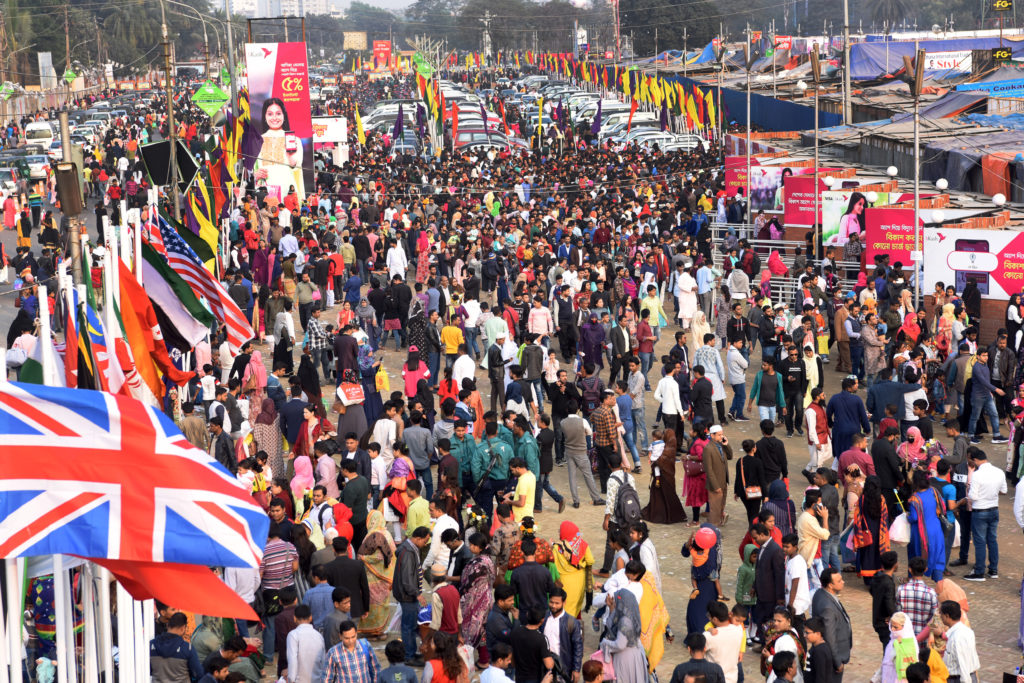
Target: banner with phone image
<point x="993" y="258"/>
<point x="278" y="80"/>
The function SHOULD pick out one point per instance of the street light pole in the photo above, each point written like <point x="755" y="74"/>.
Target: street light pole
<point x="231" y="61"/>
<point x="173" y="133"/>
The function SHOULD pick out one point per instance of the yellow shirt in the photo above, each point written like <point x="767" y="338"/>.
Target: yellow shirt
<point x="417" y="515"/>
<point x="526" y="486"/>
<point x="451" y="337"/>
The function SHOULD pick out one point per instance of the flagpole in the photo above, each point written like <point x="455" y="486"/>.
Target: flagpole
<point x="110" y="287"/>
<point x="89" y="655"/>
<point x="125" y="640"/>
<point x="106" y="639"/>
<point x="60" y="588"/>
<point x="46" y="353"/>
<point x="15" y="597"/>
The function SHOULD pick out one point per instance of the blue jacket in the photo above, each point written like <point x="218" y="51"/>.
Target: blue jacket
<point x="981" y="387"/>
<point x="887" y="392"/>
<point x="172" y="660"/>
<point x="846" y="414"/>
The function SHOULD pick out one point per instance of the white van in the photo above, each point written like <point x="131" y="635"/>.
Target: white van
<point x="39" y="133"/>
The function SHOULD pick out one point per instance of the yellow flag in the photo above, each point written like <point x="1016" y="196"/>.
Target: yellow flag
<point x="709" y="107"/>
<point x="360" y="133"/>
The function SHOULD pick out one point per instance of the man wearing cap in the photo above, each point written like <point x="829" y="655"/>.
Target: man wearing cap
<point x="716" y="454"/>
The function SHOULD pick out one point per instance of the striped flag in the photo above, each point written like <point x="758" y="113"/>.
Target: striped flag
<point x="185" y="263"/>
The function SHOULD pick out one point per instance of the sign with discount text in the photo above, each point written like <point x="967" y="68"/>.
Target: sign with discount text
<point x="798" y="196"/>
<point x="278" y="79"/>
<point x="994" y="258"/>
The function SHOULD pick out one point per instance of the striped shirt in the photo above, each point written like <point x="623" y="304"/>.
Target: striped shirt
<point x="276" y="566"/>
<point x="351" y="666"/>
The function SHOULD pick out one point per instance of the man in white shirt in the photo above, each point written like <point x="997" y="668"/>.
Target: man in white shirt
<point x="723" y="641"/>
<point x="798" y="592"/>
<point x="501" y="660"/>
<point x="288" y="244"/>
<point x="961" y="656"/>
<point x="439" y="552"/>
<point x="305" y="646"/>
<point x="464" y="367"/>
<point x="245" y="581"/>
<point x="667" y="394"/>
<point x="983" y="491"/>
<point x="397" y="261"/>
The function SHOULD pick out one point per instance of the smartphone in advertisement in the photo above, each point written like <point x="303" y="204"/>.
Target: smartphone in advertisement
<point x="980" y="277"/>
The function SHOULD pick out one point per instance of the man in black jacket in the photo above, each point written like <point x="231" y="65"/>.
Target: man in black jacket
<point x="560" y="393"/>
<point x="888" y="469"/>
<point x="772" y="454"/>
<point x="794" y="384"/>
<point x="291" y="414"/>
<point x="402" y="296"/>
<point x="223" y="449"/>
<point x="377" y="298"/>
<point x="738" y="327"/>
<point x="770" y="578"/>
<point x="471" y="285"/>
<point x="700" y="397"/>
<point x="570" y="635"/>
<point x="350" y="574"/>
<point x="434" y="350"/>
<point x="883" y="597"/>
<point x="621" y="351"/>
<point x="361" y="243"/>
<point x="406" y="587"/>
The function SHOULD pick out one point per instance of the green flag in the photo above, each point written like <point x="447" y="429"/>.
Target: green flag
<point x="201" y="247"/>
<point x="70" y="76"/>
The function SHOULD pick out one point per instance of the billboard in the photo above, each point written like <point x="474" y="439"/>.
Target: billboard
<point x="994" y="258"/>
<point x="958" y="60"/>
<point x="843" y="214"/>
<point x="797" y="195"/>
<point x="765" y="182"/>
<point x="353" y="40"/>
<point x="278" y="78"/>
<point x="47" y="76"/>
<point x="330" y="129"/>
<point x="889" y="232"/>
<point x="381" y="54"/>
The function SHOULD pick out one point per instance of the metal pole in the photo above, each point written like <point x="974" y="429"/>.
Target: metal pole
<point x="817" y="190"/>
<point x="73" y="229"/>
<point x="173" y="133"/>
<point x="231" y="61"/>
<point x="746" y="63"/>
<point x="917" y="181"/>
<point x="684" y="52"/>
<point x="847" y="111"/>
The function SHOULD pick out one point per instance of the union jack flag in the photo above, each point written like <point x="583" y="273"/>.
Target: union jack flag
<point x="124" y="484"/>
<point x="186" y="263"/>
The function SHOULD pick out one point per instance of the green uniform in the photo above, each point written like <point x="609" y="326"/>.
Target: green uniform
<point x="464" y="451"/>
<point x="483" y="458"/>
<point x="528" y="449"/>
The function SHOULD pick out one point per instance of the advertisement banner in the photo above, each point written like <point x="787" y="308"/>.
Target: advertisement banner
<point x="889" y="232"/>
<point x="766" y="183"/>
<point x="798" y="199"/>
<point x="330" y="129"/>
<point x="47" y="75"/>
<point x="784" y="42"/>
<point x="994" y="258"/>
<point x="843" y="213"/>
<point x="959" y="60"/>
<point x="278" y="79"/>
<point x="381" y="53"/>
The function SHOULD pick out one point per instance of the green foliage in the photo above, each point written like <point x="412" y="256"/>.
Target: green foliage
<point x="640" y="18"/>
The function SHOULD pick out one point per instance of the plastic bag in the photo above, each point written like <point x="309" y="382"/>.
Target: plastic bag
<point x="899" y="530"/>
<point x="381" y="380"/>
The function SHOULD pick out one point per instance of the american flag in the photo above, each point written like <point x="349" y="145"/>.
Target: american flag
<point x="128" y="485"/>
<point x="186" y="263"/>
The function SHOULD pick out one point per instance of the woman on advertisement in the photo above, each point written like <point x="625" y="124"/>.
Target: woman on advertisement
<point x="279" y="165"/>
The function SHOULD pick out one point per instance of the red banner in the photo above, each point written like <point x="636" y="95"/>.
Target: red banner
<point x="784" y="42"/>
<point x="798" y="191"/>
<point x="890" y="232"/>
<point x="381" y="54"/>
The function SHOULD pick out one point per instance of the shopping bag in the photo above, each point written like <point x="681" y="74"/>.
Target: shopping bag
<point x="956" y="534"/>
<point x="899" y="530"/>
<point x="381" y="380"/>
<point x="351" y="394"/>
<point x="330" y="298"/>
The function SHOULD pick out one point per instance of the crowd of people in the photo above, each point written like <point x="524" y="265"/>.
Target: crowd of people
<point x="403" y="502"/>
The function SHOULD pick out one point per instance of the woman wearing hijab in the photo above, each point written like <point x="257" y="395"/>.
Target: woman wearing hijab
<point x="972" y="299"/>
<point x="417" y="326"/>
<point x="814" y="372"/>
<point x="592" y="342"/>
<point x="309" y="376"/>
<point x="574" y="562"/>
<point x="302" y="484"/>
<point x="476" y="586"/>
<point x="927" y="539"/>
<point x="900" y="651"/>
<point x="621" y="643"/>
<point x="426" y="400"/>
<point x="909" y="331"/>
<point x="780" y="505"/>
<point x="373" y="406"/>
<point x="913" y="450"/>
<point x="263" y="261"/>
<point x="664" y="506"/>
<point x="870" y="532"/>
<point x="377" y="551"/>
<point x="705" y="550"/>
<point x="267" y="433"/>
<point x="366" y="317"/>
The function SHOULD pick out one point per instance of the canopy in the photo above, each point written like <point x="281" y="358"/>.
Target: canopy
<point x="869" y="60"/>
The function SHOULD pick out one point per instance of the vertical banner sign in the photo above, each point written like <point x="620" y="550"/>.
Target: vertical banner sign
<point x="889" y="232"/>
<point x="798" y="199"/>
<point x="278" y="76"/>
<point x="381" y="54"/>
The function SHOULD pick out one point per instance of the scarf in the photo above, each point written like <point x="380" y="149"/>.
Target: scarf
<point x="862" y="536"/>
<point x="256" y="369"/>
<point x="572" y="541"/>
<point x="365" y="311"/>
<point x="922" y="531"/>
<point x="268" y="412"/>
<point x="303" y="480"/>
<point x="365" y="359"/>
<point x="914" y="449"/>
<point x="625" y="618"/>
<point x="910" y="327"/>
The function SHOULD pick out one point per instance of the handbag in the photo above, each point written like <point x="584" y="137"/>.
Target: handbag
<point x="947" y="526"/>
<point x="749" y="492"/>
<point x="693" y="468"/>
<point x="351" y="394"/>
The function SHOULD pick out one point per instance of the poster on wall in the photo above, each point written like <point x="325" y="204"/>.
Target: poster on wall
<point x="381" y="54"/>
<point x="766" y="183"/>
<point x="278" y="78"/>
<point x="994" y="258"/>
<point x="889" y="232"/>
<point x="797" y="196"/>
<point x="842" y="212"/>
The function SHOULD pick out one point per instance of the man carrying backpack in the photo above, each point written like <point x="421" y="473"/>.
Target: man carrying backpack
<point x="621" y="509"/>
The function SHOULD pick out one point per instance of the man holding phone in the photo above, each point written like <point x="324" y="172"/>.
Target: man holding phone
<point x="812" y="529"/>
<point x="718" y="452"/>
